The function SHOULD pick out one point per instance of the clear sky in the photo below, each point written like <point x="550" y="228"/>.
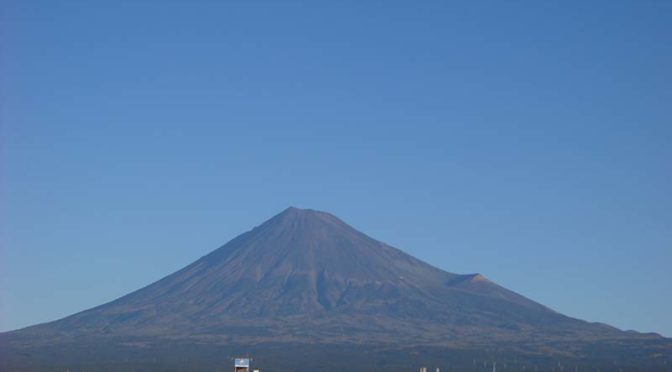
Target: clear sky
<point x="528" y="141"/>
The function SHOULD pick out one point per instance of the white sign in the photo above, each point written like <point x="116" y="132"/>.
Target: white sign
<point x="242" y="362"/>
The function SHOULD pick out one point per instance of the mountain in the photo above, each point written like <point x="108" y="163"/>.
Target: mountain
<point x="305" y="286"/>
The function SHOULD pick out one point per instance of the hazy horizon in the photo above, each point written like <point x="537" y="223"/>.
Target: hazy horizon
<point x="528" y="142"/>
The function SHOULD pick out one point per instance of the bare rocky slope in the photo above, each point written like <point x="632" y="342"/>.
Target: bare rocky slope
<point x="306" y="281"/>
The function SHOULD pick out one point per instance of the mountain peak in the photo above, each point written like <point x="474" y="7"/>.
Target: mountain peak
<point x="299" y="220"/>
<point x="292" y="209"/>
<point x="302" y="212"/>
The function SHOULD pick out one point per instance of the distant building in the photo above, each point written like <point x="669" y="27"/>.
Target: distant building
<point x="241" y="365"/>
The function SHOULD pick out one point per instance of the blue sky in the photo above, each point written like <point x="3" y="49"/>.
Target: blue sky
<point x="528" y="141"/>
